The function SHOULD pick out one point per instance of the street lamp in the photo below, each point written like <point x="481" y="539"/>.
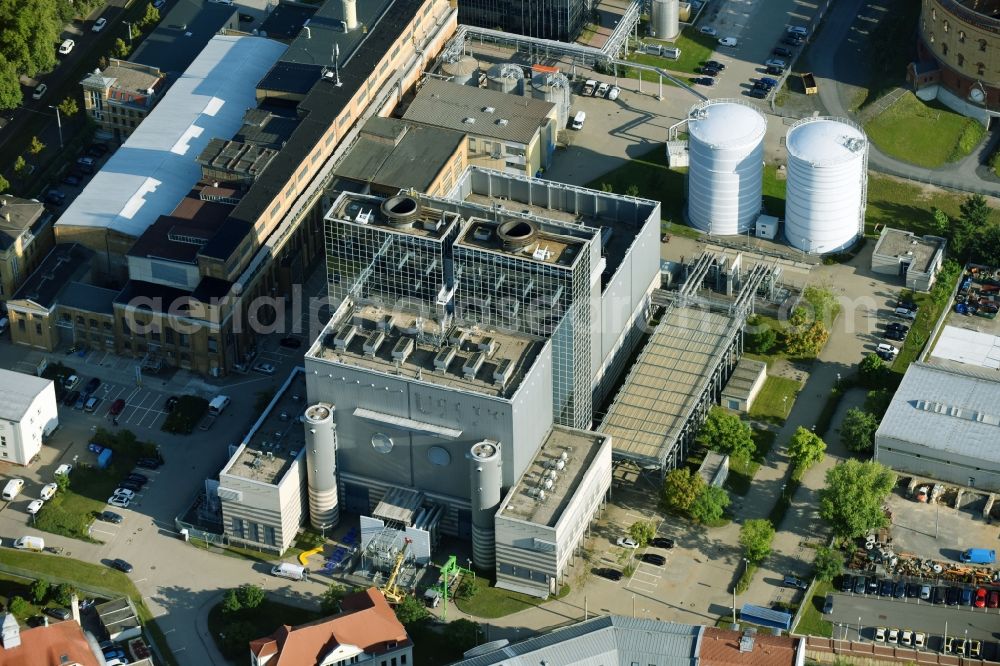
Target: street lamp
<point x="129" y="26"/>
<point x="859" y="629"/>
<point x="58" y="124"/>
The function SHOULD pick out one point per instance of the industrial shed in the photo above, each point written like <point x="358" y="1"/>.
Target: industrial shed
<point x="743" y="386"/>
<point x="916" y="258"/>
<point x="944" y="424"/>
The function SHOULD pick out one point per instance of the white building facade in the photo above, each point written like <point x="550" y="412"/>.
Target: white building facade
<point x="28" y="414"/>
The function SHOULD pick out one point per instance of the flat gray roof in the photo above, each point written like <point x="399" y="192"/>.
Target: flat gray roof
<point x="947" y="410"/>
<point x="743" y="378"/>
<point x="479" y="111"/>
<point x="918" y="250"/>
<point x="580" y="447"/>
<point x="408" y="344"/>
<point x="17" y="390"/>
<point x="663" y="387"/>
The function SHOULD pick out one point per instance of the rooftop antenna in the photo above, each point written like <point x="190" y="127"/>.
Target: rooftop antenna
<point x="336" y="64"/>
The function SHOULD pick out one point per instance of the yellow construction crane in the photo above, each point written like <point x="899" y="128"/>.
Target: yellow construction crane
<point x="391" y="592"/>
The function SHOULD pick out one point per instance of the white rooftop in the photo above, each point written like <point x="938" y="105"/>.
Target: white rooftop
<point x="825" y="141"/>
<point x="956" y="412"/>
<point x="969" y="347"/>
<point x="155" y="168"/>
<point x="17" y="391"/>
<point x="726" y="124"/>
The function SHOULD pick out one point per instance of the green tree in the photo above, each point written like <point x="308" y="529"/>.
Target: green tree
<point x="758" y="336"/>
<point x="828" y="563"/>
<point x="120" y="48"/>
<point x="68" y="107"/>
<point x="607" y="187"/>
<point x="39" y="590"/>
<point x="726" y="433"/>
<point x="4" y="184"/>
<point x="20" y="167"/>
<point x="632" y="190"/>
<point x="463" y="635"/>
<point x="756" y="536"/>
<point x="36" y="146"/>
<point x="872" y="370"/>
<point x="30" y="29"/>
<point x="410" y="610"/>
<point x="151" y="17"/>
<point x="854" y="496"/>
<point x="20" y="607"/>
<point x="64" y="594"/>
<point x="250" y="596"/>
<point x="235" y="636"/>
<point x="642" y="531"/>
<point x="805" y="449"/>
<point x="857" y="431"/>
<point x="10" y="86"/>
<point x="710" y="505"/>
<point x="975" y="211"/>
<point x="680" y="488"/>
<point x="329" y="602"/>
<point x="942" y="223"/>
<point x="973" y="218"/>
<point x="62" y="482"/>
<point x="231" y="602"/>
<point x="823" y="303"/>
<point x="804" y="336"/>
<point x="467" y="588"/>
<point x="877" y="402"/>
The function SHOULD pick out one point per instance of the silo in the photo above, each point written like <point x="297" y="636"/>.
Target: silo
<point x="464" y="70"/>
<point x="725" y="175"/>
<point x="486" y="478"/>
<point x="506" y="77"/>
<point x="665" y="23"/>
<point x="321" y="465"/>
<point x="553" y="88"/>
<point x="827" y="184"/>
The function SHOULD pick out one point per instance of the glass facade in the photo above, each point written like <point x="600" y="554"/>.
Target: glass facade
<point x="549" y="19"/>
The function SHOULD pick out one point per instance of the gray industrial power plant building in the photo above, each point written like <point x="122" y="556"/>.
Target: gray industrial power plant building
<point x="452" y="390"/>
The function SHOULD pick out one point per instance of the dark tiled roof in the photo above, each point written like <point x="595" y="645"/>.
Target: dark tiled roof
<point x="182" y="34"/>
<point x="226" y="239"/>
<point x="88" y="297"/>
<point x="172" y="236"/>
<point x="156" y="297"/>
<point x="210" y="288"/>
<point x="64" y="264"/>
<point x="285" y="22"/>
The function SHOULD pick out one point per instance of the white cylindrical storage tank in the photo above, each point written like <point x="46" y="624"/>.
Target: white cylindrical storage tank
<point x="486" y="476"/>
<point x="463" y="71"/>
<point x="725" y="176"/>
<point x="506" y="77"/>
<point x="665" y="23"/>
<point x="321" y="465"/>
<point x="553" y="88"/>
<point x="827" y="174"/>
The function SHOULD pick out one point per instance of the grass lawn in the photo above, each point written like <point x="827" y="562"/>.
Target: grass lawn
<point x="58" y="569"/>
<point x="904" y="205"/>
<point x="775" y="399"/>
<point x="695" y="48"/>
<point x="812" y="623"/>
<point x="491" y="602"/>
<point x="14" y="586"/>
<point x="890" y="47"/>
<point x="70" y="514"/>
<point x="655" y="180"/>
<point x="773" y="191"/>
<point x="923" y="133"/>
<point x="741" y="472"/>
<point x="261" y="621"/>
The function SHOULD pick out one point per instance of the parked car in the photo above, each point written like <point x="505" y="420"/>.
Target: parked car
<point x="99" y="24"/>
<point x="880" y="634"/>
<point x="602" y="89"/>
<point x="759" y="93"/>
<point x="905" y="313"/>
<point x="731" y="42"/>
<point x="39" y="91"/>
<point x="662" y="542"/>
<point x="919" y="640"/>
<point x="925" y="592"/>
<point x="939" y="596"/>
<point x="792" y="581"/>
<point x="97" y="150"/>
<point x="124" y="492"/>
<point x="782" y="52"/>
<point x="900" y="591"/>
<point x="797" y="30"/>
<point x="121" y="565"/>
<point x="110" y="517"/>
<point x="114" y="653"/>
<point x="885" y="588"/>
<point x="34" y="506"/>
<point x="708" y="71"/>
<point x="846" y="583"/>
<point x="92" y="385"/>
<point x="966" y="594"/>
<point x="66" y="46"/>
<point x="828" y="604"/>
<point x="775" y="71"/>
<point x="906" y="637"/>
<point x="130" y="486"/>
<point x="80" y="402"/>
<point x="614" y="92"/>
<point x="893" y="334"/>
<point x="627" y="542"/>
<point x="71" y="398"/>
<point x="71" y="180"/>
<point x="775" y="62"/>
<point x="63" y="470"/>
<point x="264" y="368"/>
<point x="708" y="30"/>
<point x="873" y="585"/>
<point x="291" y="342"/>
<point x="59" y="613"/>
<point x="55" y="198"/>
<point x="896" y="326"/>
<point x="959" y="646"/>
<point x="148" y="463"/>
<point x="768" y="81"/>
<point x="860" y="583"/>
<point x="913" y="590"/>
<point x="952" y="596"/>
<point x="714" y="63"/>
<point x="653" y="558"/>
<point x="610" y="574"/>
<point x="893" y="636"/>
<point x="791" y="40"/>
<point x="975" y="648"/>
<point x="135" y="477"/>
<point x="993" y="599"/>
<point x="119" y="501"/>
<point x="703" y="81"/>
<point x="49" y="490"/>
<point x="117" y="407"/>
<point x="980" y="601"/>
<point x="92" y="404"/>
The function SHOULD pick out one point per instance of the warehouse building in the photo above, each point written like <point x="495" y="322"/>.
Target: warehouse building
<point x="917" y="258"/>
<point x="944" y="424"/>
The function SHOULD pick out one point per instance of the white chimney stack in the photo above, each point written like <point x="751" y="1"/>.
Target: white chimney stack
<point x="350" y="14"/>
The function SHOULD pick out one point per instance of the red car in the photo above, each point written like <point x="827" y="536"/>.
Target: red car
<point x="117" y="407"/>
<point x="980" y="601"/>
<point x="993" y="600"/>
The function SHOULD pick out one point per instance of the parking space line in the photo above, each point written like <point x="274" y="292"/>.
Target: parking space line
<point x="94" y="529"/>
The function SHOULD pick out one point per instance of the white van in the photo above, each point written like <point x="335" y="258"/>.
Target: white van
<point x="218" y="404"/>
<point x="13" y="487"/>
<point x="579" y="119"/>
<point x="290" y="571"/>
<point x="34" y="543"/>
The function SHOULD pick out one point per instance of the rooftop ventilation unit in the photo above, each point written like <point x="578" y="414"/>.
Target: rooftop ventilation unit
<point x="502" y="122"/>
<point x="402" y="349"/>
<point x="344" y="336"/>
<point x="457" y="336"/>
<point x="402" y="210"/>
<point x="482" y="233"/>
<point x="386" y="323"/>
<point x="469" y="120"/>
<point x="373" y="342"/>
<point x="488" y="109"/>
<point x="503" y="372"/>
<point x="488" y="345"/>
<point x="444" y="358"/>
<point x="472" y="366"/>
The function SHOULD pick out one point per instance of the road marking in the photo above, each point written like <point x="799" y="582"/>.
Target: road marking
<point x="139" y="580"/>
<point x="168" y="631"/>
<point x="94" y="529"/>
<point x="180" y="650"/>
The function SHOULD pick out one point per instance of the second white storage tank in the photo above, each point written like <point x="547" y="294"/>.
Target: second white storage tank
<point x="827" y="184"/>
<point x="725" y="176"/>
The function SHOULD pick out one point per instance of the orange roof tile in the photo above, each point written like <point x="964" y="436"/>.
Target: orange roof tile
<point x="721" y="647"/>
<point x="46" y="646"/>
<point x="366" y="621"/>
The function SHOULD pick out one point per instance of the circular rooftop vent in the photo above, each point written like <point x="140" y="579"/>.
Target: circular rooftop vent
<point x="516" y="234"/>
<point x="401" y="210"/>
